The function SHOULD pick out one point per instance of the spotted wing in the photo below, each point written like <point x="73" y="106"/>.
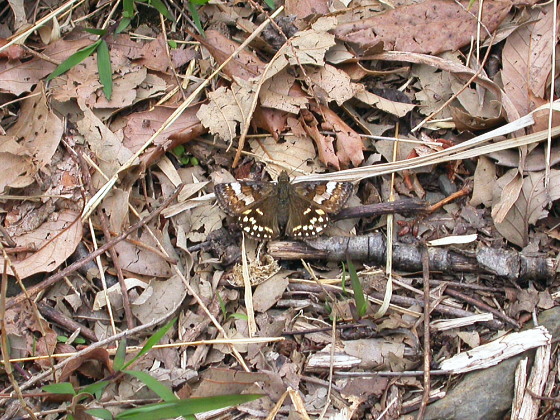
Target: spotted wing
<point x="310" y="206"/>
<point x="253" y="204"/>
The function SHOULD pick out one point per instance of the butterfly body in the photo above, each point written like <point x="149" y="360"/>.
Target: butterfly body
<point x="266" y="210"/>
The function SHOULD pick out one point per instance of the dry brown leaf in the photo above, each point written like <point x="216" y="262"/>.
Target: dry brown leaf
<point x="164" y="297"/>
<point x="16" y="163"/>
<point x="331" y="84"/>
<point x="529" y="206"/>
<point x="245" y="65"/>
<point x="306" y="47"/>
<point x="56" y="239"/>
<point x="349" y="146"/>
<point x="484" y="179"/>
<point x="506" y="191"/>
<point x="526" y="60"/>
<point x="94" y="364"/>
<point x="38" y="129"/>
<point x="282" y="93"/>
<point x="28" y="335"/>
<point x="324" y="143"/>
<point x="151" y="55"/>
<point x="140" y="126"/>
<point x="430" y="27"/>
<point x="106" y="146"/>
<point x="302" y="9"/>
<point x="141" y="260"/>
<point x="268" y="293"/>
<point x="226" y="110"/>
<point x="292" y="152"/>
<point x="400" y="109"/>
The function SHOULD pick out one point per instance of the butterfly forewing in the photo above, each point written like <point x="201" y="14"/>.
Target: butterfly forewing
<point x="330" y="196"/>
<point x="247" y="202"/>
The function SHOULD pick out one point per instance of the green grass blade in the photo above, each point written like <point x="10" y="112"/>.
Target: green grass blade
<point x="61" y="388"/>
<point x="185" y="407"/>
<point x="104" y="69"/>
<point x="123" y="24"/>
<point x="100" y="413"/>
<point x="152" y="341"/>
<point x="96" y="31"/>
<point x="195" y="16"/>
<point x="163" y="391"/>
<point x="120" y="356"/>
<point x="128" y="9"/>
<point x="160" y="7"/>
<point x="74" y="60"/>
<point x="95" y="389"/>
<point x="359" y="297"/>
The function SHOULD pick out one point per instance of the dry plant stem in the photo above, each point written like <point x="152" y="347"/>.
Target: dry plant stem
<point x="66" y="323"/>
<point x="482" y="306"/>
<point x="405" y="207"/>
<point x="403" y="301"/>
<point x="75" y="266"/>
<point x="4" y="339"/>
<point x="124" y="292"/>
<point x="466" y="190"/>
<point x="426" y="338"/>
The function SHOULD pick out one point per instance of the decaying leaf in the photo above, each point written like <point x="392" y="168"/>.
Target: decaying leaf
<point x="530" y="205"/>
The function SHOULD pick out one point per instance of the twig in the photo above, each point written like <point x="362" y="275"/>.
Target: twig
<point x="426" y="338"/>
<point x="483" y="306"/>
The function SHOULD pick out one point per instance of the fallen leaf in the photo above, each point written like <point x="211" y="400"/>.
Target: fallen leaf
<point x="430" y="27"/>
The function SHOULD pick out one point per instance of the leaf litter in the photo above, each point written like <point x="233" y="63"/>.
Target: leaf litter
<point x="310" y="94"/>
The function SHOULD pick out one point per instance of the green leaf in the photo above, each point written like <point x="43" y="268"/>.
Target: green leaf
<point x="160" y="7"/>
<point x="61" y="388"/>
<point x="74" y="60"/>
<point x="95" y="389"/>
<point x="128" y="9"/>
<point x="179" y="150"/>
<point x="96" y="31"/>
<point x="163" y="391"/>
<point x="172" y="43"/>
<point x="194" y="161"/>
<point x="185" y="407"/>
<point x="104" y="69"/>
<point x="359" y="297"/>
<point x="101" y="413"/>
<point x="239" y="316"/>
<point x="195" y="16"/>
<point x="270" y="3"/>
<point x="343" y="280"/>
<point x="123" y="24"/>
<point x="120" y="356"/>
<point x="152" y="341"/>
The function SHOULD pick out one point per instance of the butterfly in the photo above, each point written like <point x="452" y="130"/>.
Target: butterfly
<point x="268" y="210"/>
